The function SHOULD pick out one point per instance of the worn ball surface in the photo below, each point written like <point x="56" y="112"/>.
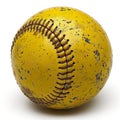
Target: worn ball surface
<point x="61" y="58"/>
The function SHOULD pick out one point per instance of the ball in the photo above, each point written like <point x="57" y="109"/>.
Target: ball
<point x="61" y="58"/>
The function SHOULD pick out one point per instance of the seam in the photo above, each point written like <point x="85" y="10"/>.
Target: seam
<point x="64" y="54"/>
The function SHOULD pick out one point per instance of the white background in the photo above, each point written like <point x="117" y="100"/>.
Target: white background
<point x="14" y="105"/>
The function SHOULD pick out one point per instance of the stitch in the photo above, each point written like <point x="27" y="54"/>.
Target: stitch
<point x="66" y="60"/>
<point x="66" y="42"/>
<point x="69" y="52"/>
<point x="55" y="29"/>
<point x="60" y="92"/>
<point x="43" y="27"/>
<point x="62" y="38"/>
<point x="61" y="55"/>
<point x="50" y="97"/>
<point x="54" y="40"/>
<point x="67" y="66"/>
<point x="49" y="29"/>
<point x="66" y="78"/>
<point x="58" y="88"/>
<point x="62" y="96"/>
<point x="55" y="95"/>
<point x="57" y="45"/>
<point x="44" y="100"/>
<point x="59" y="50"/>
<point x="64" y="83"/>
<point x="48" y="100"/>
<point x="69" y="71"/>
<point x="67" y="47"/>
<point x="58" y="33"/>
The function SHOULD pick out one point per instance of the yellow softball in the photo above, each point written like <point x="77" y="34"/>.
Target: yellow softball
<point x="61" y="58"/>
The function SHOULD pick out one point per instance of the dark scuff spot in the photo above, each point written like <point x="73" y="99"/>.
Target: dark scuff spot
<point x="21" y="78"/>
<point x="48" y="68"/>
<point x="64" y="9"/>
<point x="98" y="75"/>
<point x="97" y="55"/>
<point x="68" y="9"/>
<point x="89" y="22"/>
<point x="64" y="20"/>
<point x="69" y="21"/>
<point x="70" y="101"/>
<point x="82" y="67"/>
<point x="77" y="34"/>
<point x="71" y="29"/>
<point x="90" y="65"/>
<point x="50" y="75"/>
<point x="75" y="98"/>
<point x="59" y="23"/>
<point x="87" y="40"/>
<point x="104" y="64"/>
<point x="77" y="86"/>
<point x="28" y="72"/>
<point x="19" y="70"/>
<point x="22" y="52"/>
<point x="86" y="55"/>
